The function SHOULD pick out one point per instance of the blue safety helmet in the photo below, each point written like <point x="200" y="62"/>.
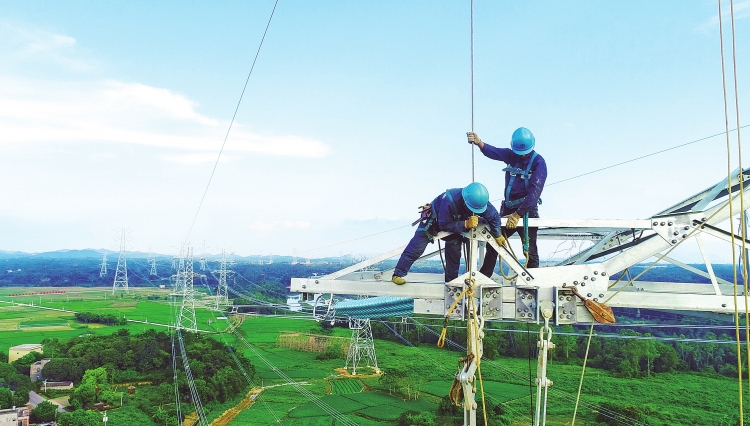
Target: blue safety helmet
<point x="522" y="141"/>
<point x="476" y="197"/>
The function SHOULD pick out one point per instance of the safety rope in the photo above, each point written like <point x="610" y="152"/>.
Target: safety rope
<point x="731" y="215"/>
<point x="440" y="252"/>
<point x="622" y="274"/>
<point x="507" y="245"/>
<point x="478" y="359"/>
<point x="441" y="339"/>
<point x="583" y="371"/>
<point x="743" y="222"/>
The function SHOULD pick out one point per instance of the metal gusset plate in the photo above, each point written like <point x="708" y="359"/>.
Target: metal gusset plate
<point x="527" y="308"/>
<point x="492" y="302"/>
<point x="451" y="294"/>
<point x="565" y="306"/>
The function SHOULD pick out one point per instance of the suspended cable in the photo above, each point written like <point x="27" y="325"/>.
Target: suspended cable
<point x="252" y="67"/>
<point x="523" y="379"/>
<point x="472" y="87"/>
<point x="549" y="184"/>
<point x="649" y="155"/>
<point x="743" y="216"/>
<point x="731" y="221"/>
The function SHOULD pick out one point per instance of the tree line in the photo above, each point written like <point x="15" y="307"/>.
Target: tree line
<point x="630" y="353"/>
<point x="107" y="319"/>
<point x="97" y="363"/>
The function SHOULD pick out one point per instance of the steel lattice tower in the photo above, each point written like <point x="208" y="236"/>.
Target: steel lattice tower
<point x="178" y="262"/>
<point x="103" y="270"/>
<point x="361" y="347"/>
<point x="222" y="292"/>
<point x="203" y="257"/>
<point x="152" y="261"/>
<point x="186" y="319"/>
<point x="121" y="273"/>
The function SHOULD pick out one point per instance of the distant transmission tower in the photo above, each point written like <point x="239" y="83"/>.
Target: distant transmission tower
<point x="103" y="270"/>
<point x="186" y="319"/>
<point x="152" y="261"/>
<point x="222" y="292"/>
<point x="203" y="257"/>
<point x="121" y="274"/>
<point x="361" y="347"/>
<point x="294" y="257"/>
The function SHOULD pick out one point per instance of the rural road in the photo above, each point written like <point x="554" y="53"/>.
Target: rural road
<point x="35" y="398"/>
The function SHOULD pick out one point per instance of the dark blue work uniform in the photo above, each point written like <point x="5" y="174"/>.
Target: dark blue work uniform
<point x="448" y="214"/>
<point x="521" y="196"/>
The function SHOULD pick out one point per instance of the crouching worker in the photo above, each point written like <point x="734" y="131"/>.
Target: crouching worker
<point x="457" y="210"/>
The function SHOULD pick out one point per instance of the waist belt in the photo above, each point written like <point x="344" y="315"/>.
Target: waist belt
<point x="514" y="203"/>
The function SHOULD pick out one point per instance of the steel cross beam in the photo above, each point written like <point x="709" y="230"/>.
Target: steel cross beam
<point x="619" y="245"/>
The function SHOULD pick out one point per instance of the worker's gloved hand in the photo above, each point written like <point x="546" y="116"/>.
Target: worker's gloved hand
<point x="500" y="240"/>
<point x="512" y="222"/>
<point x="471" y="222"/>
<point x="474" y="138"/>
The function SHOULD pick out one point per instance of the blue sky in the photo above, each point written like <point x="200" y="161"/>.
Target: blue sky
<point x="112" y="114"/>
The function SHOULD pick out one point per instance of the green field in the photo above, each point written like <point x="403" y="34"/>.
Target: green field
<point x="674" y="399"/>
<point x="345" y="386"/>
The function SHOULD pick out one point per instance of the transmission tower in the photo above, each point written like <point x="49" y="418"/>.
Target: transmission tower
<point x="361" y="347"/>
<point x="203" y="257"/>
<point x="103" y="270"/>
<point x="178" y="263"/>
<point x="294" y="257"/>
<point x="186" y="319"/>
<point x="152" y="261"/>
<point x="222" y="292"/>
<point x="121" y="274"/>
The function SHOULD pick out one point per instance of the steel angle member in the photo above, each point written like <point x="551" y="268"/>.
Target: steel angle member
<point x="675" y="228"/>
<point x="485" y="235"/>
<point x="429" y="306"/>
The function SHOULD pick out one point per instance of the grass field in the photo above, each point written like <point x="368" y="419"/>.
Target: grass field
<point x="674" y="399"/>
<point x="345" y="386"/>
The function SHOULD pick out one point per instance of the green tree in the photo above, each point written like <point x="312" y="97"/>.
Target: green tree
<point x="21" y="396"/>
<point x="6" y="398"/>
<point x="23" y="364"/>
<point x="91" y="387"/>
<point x="413" y="418"/>
<point x="79" y="418"/>
<point x="44" y="412"/>
<point x="566" y="344"/>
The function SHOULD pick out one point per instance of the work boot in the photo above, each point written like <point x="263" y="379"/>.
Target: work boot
<point x="398" y="280"/>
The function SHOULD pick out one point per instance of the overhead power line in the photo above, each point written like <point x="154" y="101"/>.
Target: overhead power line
<point x="252" y="67"/>
<point x="549" y="184"/>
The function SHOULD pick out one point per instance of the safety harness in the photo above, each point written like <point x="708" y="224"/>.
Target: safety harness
<point x="428" y="214"/>
<point x="512" y="204"/>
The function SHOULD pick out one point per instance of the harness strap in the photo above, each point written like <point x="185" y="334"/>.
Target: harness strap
<point x="452" y="205"/>
<point x="514" y="171"/>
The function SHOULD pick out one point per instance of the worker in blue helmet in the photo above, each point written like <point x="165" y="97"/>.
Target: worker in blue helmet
<point x="525" y="175"/>
<point x="456" y="210"/>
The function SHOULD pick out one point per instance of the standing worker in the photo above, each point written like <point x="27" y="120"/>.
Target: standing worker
<point x="456" y="210"/>
<point x="524" y="182"/>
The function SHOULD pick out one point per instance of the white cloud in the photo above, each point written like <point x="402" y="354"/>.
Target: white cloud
<point x="112" y="111"/>
<point x="22" y="45"/>
<point x="741" y="11"/>
<point x="198" y="158"/>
